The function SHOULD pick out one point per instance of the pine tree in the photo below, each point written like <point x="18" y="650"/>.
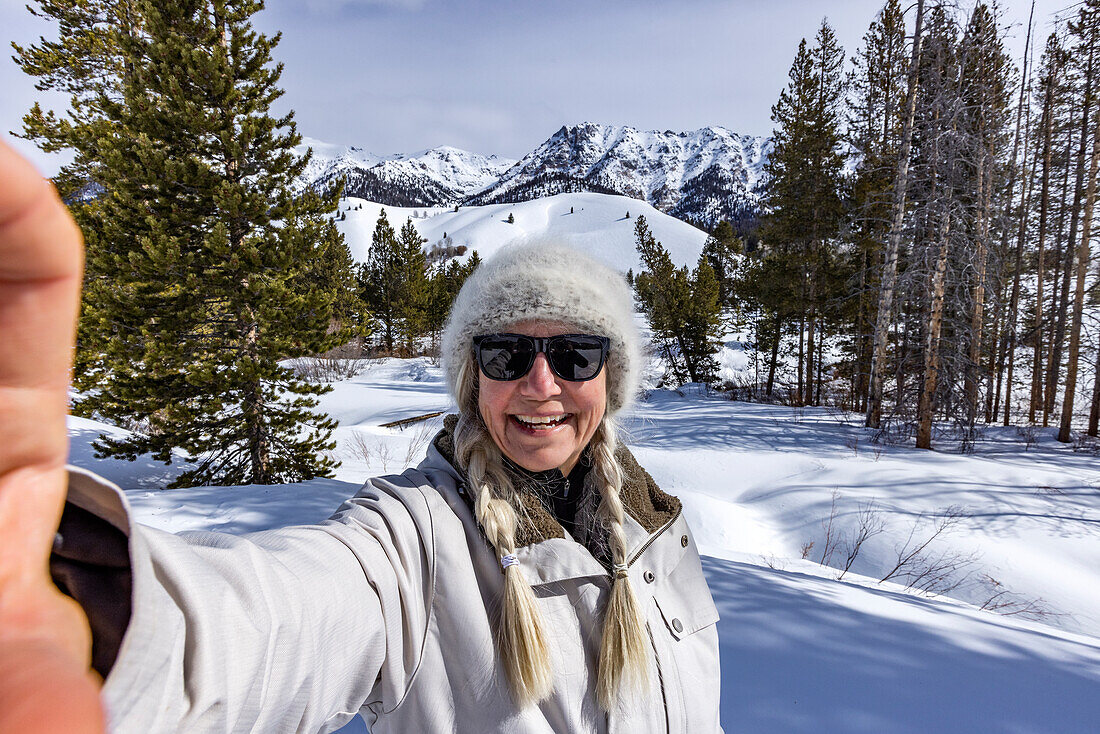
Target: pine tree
<point x="682" y="308"/>
<point x="86" y="63"/>
<point x="803" y="188"/>
<point x="380" y="281"/>
<point x="415" y="288"/>
<point x="722" y="250"/>
<point x="204" y="267"/>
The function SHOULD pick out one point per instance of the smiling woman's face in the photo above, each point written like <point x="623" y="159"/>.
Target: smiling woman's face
<point x="515" y="412"/>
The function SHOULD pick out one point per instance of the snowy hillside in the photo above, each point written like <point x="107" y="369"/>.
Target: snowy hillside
<point x="801" y="651"/>
<point x="437" y="175"/>
<point x="596" y="223"/>
<point x="717" y="167"/>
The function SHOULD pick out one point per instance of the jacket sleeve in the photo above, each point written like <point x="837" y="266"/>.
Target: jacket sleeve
<point x="290" y="630"/>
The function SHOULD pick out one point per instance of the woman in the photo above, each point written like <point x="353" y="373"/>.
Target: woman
<point x="528" y="576"/>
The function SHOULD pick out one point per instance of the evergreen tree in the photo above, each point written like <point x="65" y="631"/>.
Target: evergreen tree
<point x="205" y="270"/>
<point x="804" y="188"/>
<point x="415" y="288"/>
<point x="682" y="308"/>
<point x="722" y="250"/>
<point x="88" y="65"/>
<point x="380" y="281"/>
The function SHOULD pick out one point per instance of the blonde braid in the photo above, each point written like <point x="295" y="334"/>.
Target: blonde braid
<point x="520" y="637"/>
<point x="623" y="663"/>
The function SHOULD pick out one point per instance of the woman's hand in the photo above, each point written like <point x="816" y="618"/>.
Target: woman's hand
<point x="45" y="645"/>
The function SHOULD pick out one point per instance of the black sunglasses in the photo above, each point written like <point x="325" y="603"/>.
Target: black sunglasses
<point x="572" y="357"/>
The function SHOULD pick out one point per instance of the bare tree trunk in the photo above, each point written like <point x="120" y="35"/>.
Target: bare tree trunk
<point x="974" y="352"/>
<point x="774" y="356"/>
<point x="1009" y="350"/>
<point x="801" y="358"/>
<point x="1082" y="258"/>
<point x="932" y="338"/>
<point x="1094" y="409"/>
<point x="1044" y="207"/>
<point x="818" y="362"/>
<point x="893" y="243"/>
<point x="1066" y="250"/>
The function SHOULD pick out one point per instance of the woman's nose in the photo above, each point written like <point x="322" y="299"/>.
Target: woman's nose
<point x="540" y="382"/>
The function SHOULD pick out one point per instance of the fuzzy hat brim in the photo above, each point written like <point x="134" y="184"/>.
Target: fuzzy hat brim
<point x="547" y="282"/>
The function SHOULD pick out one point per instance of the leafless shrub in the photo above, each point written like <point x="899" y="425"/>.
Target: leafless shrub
<point x="1003" y="601"/>
<point x="828" y="526"/>
<point x="422" y="433"/>
<point x="853" y="444"/>
<point x="893" y="433"/>
<point x="1084" y="443"/>
<point x="327" y="369"/>
<point x="376" y="451"/>
<point x="805" y="549"/>
<point x="773" y="562"/>
<point x="1029" y="435"/>
<point x="869" y="523"/>
<point x="918" y="566"/>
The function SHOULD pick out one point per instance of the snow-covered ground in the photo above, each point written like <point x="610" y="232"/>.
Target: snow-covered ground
<point x="801" y="650"/>
<point x="595" y="223"/>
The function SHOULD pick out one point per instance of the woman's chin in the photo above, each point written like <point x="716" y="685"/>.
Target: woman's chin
<point x="541" y="449"/>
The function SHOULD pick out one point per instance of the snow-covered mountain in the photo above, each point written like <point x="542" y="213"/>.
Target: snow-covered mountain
<point x="704" y="175"/>
<point x="436" y="176"/>
<point x="601" y="225"/>
<point x="701" y="176"/>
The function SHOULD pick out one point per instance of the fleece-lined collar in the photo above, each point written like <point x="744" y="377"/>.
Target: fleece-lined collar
<point x="643" y="500"/>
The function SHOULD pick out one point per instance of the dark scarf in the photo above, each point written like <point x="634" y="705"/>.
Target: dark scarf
<point x="538" y="514"/>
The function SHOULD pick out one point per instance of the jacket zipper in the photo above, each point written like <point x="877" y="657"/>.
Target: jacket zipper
<point x="654" y="537"/>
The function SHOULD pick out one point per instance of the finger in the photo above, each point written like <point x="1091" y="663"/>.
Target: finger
<point x="41" y="258"/>
<point x="40" y="264"/>
<point x="42" y="692"/>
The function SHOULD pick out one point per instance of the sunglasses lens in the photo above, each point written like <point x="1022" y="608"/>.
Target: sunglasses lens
<point x="576" y="357"/>
<point x="573" y="357"/>
<point x="505" y="357"/>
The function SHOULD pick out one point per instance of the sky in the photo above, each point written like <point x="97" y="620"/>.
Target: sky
<point x="499" y="77"/>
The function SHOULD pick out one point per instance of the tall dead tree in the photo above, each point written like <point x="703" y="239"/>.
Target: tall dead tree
<point x="1008" y="350"/>
<point x="890" y="264"/>
<point x="1088" y="32"/>
<point x="1050" y="82"/>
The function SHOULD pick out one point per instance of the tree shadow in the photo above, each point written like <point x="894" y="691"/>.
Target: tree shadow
<point x="802" y="654"/>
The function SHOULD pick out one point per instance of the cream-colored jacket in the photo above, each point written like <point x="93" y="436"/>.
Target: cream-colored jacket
<point x="386" y="610"/>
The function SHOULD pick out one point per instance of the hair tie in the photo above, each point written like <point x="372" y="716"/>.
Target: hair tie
<point x="620" y="570"/>
<point x="508" y="560"/>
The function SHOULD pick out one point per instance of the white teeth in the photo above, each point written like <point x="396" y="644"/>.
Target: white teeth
<point x="541" y="421"/>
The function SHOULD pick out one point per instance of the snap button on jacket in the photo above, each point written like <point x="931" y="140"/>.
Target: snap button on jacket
<point x="387" y="609"/>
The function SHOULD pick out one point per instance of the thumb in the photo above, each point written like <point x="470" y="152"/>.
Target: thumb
<point x="42" y="692"/>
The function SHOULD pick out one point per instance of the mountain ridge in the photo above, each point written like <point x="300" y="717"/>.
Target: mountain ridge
<point x="700" y="176"/>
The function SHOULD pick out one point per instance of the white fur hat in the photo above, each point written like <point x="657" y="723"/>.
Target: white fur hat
<point x="549" y="282"/>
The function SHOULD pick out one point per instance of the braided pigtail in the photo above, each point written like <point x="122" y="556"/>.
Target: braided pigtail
<point x="623" y="663"/>
<point x="520" y="637"/>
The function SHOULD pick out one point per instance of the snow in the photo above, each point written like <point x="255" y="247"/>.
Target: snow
<point x="648" y="165"/>
<point x="598" y="224"/>
<point x="801" y="650"/>
<point x="452" y="168"/>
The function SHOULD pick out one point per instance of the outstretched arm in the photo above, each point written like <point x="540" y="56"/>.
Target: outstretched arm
<point x="45" y="681"/>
